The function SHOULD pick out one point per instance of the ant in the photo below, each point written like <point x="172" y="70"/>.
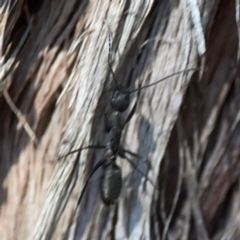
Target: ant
<point x="111" y="179"/>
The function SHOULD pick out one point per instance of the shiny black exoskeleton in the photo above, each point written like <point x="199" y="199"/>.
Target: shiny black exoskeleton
<point x="110" y="182"/>
<point x="111" y="179"/>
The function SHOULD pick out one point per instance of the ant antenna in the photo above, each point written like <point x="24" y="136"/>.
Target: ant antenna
<point x="161" y="80"/>
<point x="141" y="172"/>
<point x="123" y="156"/>
<point x="80" y="149"/>
<point x="110" y="52"/>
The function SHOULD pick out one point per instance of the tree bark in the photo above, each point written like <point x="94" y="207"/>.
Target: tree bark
<point x="187" y="127"/>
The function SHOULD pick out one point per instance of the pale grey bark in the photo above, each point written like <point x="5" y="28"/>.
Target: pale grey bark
<point x="187" y="127"/>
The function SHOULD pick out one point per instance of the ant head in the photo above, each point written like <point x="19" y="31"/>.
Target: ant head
<point x="120" y="99"/>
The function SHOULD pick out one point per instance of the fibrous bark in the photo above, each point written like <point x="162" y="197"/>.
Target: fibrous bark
<point x="187" y="127"/>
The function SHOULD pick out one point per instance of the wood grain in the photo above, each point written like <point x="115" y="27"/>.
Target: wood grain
<point x="187" y="127"/>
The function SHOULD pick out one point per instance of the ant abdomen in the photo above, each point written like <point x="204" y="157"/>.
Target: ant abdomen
<point x="110" y="183"/>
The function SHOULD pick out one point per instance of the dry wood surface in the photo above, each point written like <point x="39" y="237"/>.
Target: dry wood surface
<point x="54" y="66"/>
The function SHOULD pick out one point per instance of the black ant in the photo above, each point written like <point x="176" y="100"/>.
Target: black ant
<point x="111" y="179"/>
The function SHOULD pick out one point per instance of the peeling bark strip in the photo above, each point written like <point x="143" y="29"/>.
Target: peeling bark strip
<point x="8" y="64"/>
<point x="187" y="127"/>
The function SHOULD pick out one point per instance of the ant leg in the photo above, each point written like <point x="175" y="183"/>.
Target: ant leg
<point x="135" y="106"/>
<point x="145" y="161"/>
<point x="141" y="172"/>
<point x="121" y="153"/>
<point x="80" y="149"/>
<point x="129" y="152"/>
<point x="98" y="165"/>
